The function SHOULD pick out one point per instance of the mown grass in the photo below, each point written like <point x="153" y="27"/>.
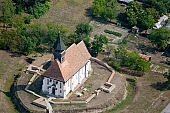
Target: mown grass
<point x="130" y="93"/>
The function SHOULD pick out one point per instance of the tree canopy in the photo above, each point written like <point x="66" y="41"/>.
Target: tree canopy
<point x="34" y="7"/>
<point x="98" y="43"/>
<point x="132" y="12"/>
<point x="159" y="37"/>
<point x="131" y="59"/>
<point x="143" y="18"/>
<point x="105" y="9"/>
<point x="160" y="5"/>
<point x="8" y="11"/>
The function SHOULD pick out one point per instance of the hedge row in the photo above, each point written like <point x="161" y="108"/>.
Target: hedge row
<point x="113" y="32"/>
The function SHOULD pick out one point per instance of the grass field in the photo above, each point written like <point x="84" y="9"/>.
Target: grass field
<point x="67" y="12"/>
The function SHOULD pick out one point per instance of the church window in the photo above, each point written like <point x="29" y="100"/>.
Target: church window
<point x="60" y="91"/>
<point x="47" y="81"/>
<point x="62" y="59"/>
<point x="50" y="80"/>
<point x="60" y="85"/>
<point x="68" y="83"/>
<point x="56" y="82"/>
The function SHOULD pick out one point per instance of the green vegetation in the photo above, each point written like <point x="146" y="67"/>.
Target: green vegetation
<point x="34" y="7"/>
<point x="89" y="85"/>
<point x="97" y="44"/>
<point x="27" y="20"/>
<point x="128" y="59"/>
<point x="143" y="18"/>
<point x="38" y="9"/>
<point x="105" y="9"/>
<point x="113" y="32"/>
<point x="159" y="37"/>
<point x="8" y="11"/>
<point x="160" y="5"/>
<point x="130" y="93"/>
<point x="27" y="39"/>
<point x="167" y="75"/>
<point x="132" y="12"/>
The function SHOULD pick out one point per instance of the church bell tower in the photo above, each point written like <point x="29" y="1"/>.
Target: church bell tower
<point x="59" y="49"/>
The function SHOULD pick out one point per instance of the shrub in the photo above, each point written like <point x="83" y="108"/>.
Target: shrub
<point x="113" y="32"/>
<point x="39" y="9"/>
<point x="20" y="69"/>
<point x="27" y="20"/>
<point x="115" y="66"/>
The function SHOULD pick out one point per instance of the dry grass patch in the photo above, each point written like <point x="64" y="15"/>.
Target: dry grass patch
<point x="67" y="12"/>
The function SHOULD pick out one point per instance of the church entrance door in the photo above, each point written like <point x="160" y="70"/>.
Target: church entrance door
<point x="53" y="90"/>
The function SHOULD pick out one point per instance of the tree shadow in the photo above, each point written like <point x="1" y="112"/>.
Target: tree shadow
<point x="146" y="48"/>
<point x="121" y="18"/>
<point x="8" y="94"/>
<point x="15" y="54"/>
<point x="29" y="60"/>
<point x="161" y="86"/>
<point x="97" y="19"/>
<point x="20" y="87"/>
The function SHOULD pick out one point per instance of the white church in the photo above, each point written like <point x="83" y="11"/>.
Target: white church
<point x="67" y="70"/>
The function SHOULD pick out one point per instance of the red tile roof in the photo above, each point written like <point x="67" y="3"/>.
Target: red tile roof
<point x="75" y="58"/>
<point x="146" y="57"/>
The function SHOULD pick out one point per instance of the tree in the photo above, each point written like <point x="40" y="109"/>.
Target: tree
<point x="132" y="12"/>
<point x="167" y="75"/>
<point x="146" y="21"/>
<point x="153" y="12"/>
<point x="120" y="52"/>
<point x="110" y="49"/>
<point x="71" y="38"/>
<point x="98" y="43"/>
<point x="105" y="9"/>
<point x="159" y="37"/>
<point x="83" y="29"/>
<point x="131" y="59"/>
<point x="160" y="5"/>
<point x="8" y="12"/>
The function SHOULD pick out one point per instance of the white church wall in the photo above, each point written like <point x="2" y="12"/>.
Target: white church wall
<point x="48" y="86"/>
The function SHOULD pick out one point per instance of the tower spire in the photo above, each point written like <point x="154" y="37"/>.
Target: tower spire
<point x="59" y="48"/>
<point x="59" y="45"/>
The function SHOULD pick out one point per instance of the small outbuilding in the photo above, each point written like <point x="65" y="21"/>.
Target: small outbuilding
<point x="161" y="22"/>
<point x="145" y="33"/>
<point x="125" y="1"/>
<point x="135" y="29"/>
